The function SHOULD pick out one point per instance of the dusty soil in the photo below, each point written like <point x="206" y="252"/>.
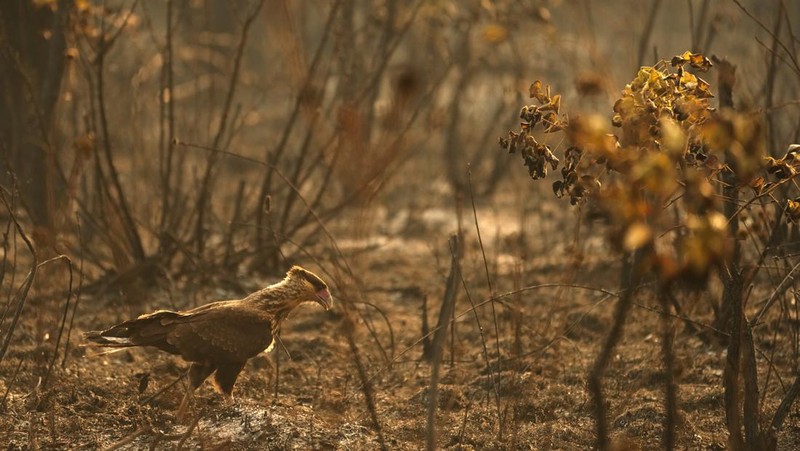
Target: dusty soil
<point x="307" y="394"/>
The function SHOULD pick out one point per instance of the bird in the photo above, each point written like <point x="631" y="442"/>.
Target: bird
<point x="220" y="337"/>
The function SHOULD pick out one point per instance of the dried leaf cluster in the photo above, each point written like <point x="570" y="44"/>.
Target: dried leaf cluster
<point x="667" y="149"/>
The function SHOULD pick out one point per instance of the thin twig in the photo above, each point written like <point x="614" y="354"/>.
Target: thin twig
<point x="77" y="298"/>
<point x="644" y="40"/>
<point x="779" y="291"/>
<point x="167" y="146"/>
<point x="495" y="377"/>
<point x="11" y="383"/>
<point x="6" y="266"/>
<point x="439" y="339"/>
<point x="274" y="155"/>
<point x="235" y="216"/>
<point x="366" y="385"/>
<point x="128" y="439"/>
<point x="484" y="346"/>
<point x="63" y="321"/>
<point x="795" y="64"/>
<point x="786" y="403"/>
<point x="188" y="432"/>
<point x="22" y="293"/>
<point x="163" y="389"/>
<point x="131" y="230"/>
<point x="204" y="198"/>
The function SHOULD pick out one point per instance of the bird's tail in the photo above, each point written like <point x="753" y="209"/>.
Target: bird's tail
<point x="146" y="330"/>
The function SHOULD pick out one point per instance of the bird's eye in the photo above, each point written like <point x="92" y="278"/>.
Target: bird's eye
<point x="315" y="281"/>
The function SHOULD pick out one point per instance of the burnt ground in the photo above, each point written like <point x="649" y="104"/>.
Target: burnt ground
<point x="307" y="394"/>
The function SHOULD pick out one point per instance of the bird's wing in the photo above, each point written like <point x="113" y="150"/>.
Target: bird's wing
<point x="211" y="306"/>
<point x="227" y="333"/>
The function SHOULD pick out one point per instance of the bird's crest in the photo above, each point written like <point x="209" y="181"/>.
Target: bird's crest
<point x="310" y="277"/>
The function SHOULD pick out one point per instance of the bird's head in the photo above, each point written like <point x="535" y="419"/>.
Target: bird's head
<point x="309" y="286"/>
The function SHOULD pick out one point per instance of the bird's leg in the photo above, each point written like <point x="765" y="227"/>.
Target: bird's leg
<point x="198" y="372"/>
<point x="225" y="378"/>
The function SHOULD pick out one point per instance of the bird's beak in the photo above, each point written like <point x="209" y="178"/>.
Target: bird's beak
<point x="324" y="299"/>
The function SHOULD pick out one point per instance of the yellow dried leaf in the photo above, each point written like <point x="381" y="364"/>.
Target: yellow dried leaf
<point x="624" y="106"/>
<point x="495" y="33"/>
<point x="536" y="91"/>
<point x="703" y="89"/>
<point x="793" y="210"/>
<point x="673" y="138"/>
<point x="555" y="103"/>
<point x="757" y="184"/>
<point x="718" y="135"/>
<point x="699" y="62"/>
<point x="637" y="235"/>
<point x="655" y="172"/>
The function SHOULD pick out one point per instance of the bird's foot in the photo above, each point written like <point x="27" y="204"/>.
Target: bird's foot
<point x="231" y="405"/>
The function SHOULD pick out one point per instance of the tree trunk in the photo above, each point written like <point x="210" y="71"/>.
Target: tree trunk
<point x="32" y="48"/>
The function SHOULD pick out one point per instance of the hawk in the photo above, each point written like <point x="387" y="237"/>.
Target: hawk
<point x="222" y="336"/>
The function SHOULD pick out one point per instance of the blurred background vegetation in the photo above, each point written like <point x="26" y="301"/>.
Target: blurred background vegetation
<point x="206" y="133"/>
